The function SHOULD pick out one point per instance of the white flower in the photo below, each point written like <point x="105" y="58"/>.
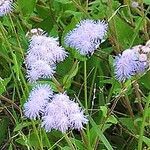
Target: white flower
<point x="62" y="122"/>
<point x="134" y="4"/>
<point x="37" y="101"/>
<point x="62" y="113"/>
<point x="42" y="91"/>
<point x="77" y="120"/>
<point x="40" y="69"/>
<point x="129" y="63"/>
<point x="5" y="7"/>
<point x="48" y="122"/>
<point x="32" y="109"/>
<point x="87" y="36"/>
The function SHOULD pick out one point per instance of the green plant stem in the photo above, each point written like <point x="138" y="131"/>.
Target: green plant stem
<point x="86" y="102"/>
<point x="58" y="85"/>
<point x="13" y="29"/>
<point x="81" y="8"/>
<point x="85" y="87"/>
<point x="36" y="132"/>
<point x="92" y="86"/>
<point x="68" y="141"/>
<point x="136" y="88"/>
<point x="143" y="123"/>
<point x="47" y="140"/>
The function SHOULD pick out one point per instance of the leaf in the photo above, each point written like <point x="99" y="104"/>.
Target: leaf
<point x="104" y="110"/>
<point x="22" y="125"/>
<point x="3" y="84"/>
<point x="3" y="126"/>
<point x="26" y="7"/>
<point x="144" y="80"/>
<point x="100" y="134"/>
<point x="64" y="1"/>
<point x="128" y="122"/>
<point x="78" y="143"/>
<point x="112" y="120"/>
<point x="147" y="2"/>
<point x="68" y="77"/>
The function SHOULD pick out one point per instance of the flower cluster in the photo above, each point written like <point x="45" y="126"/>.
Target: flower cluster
<point x="57" y="111"/>
<point x="5" y="7"/>
<point x="131" y="61"/>
<point x="87" y="36"/>
<point x="37" y="101"/>
<point x="62" y="114"/>
<point x="43" y="54"/>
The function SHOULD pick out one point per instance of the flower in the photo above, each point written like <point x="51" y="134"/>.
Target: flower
<point x="129" y="64"/>
<point x="62" y="113"/>
<point x="87" y="36"/>
<point x="37" y="101"/>
<point x="40" y="69"/>
<point x="42" y="55"/>
<point x="48" y="47"/>
<point x="5" y="7"/>
<point x="134" y="4"/>
<point x="77" y="120"/>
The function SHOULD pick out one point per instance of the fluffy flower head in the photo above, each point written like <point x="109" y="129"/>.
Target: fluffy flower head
<point x="5" y="7"/>
<point x="87" y="36"/>
<point x="62" y="113"/>
<point x="129" y="63"/>
<point x="37" y="101"/>
<point x="40" y="69"/>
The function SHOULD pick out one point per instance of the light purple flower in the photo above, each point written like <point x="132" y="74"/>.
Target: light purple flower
<point x="63" y="114"/>
<point x="47" y="48"/>
<point x="5" y="7"/>
<point x="42" y="55"/>
<point x="87" y="36"/>
<point x="128" y="64"/>
<point x="40" y="69"/>
<point x="37" y="101"/>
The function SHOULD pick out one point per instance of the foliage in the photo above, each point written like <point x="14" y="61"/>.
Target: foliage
<point x="116" y="120"/>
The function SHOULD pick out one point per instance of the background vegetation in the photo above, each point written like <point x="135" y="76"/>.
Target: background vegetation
<point x="115" y="119"/>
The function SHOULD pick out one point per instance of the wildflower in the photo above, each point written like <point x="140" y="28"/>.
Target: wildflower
<point x="62" y="113"/>
<point x="134" y="4"/>
<point x="5" y="7"/>
<point x="87" y="36"/>
<point x="40" y="69"/>
<point x="77" y="120"/>
<point x="129" y="64"/>
<point x="47" y="46"/>
<point x="43" y="53"/>
<point x="36" y="32"/>
<point x="37" y="101"/>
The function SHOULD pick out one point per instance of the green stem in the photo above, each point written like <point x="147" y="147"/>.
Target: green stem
<point x="58" y="85"/>
<point x="85" y="87"/>
<point x="36" y="132"/>
<point x="47" y="140"/>
<point x="68" y="141"/>
<point x="143" y="123"/>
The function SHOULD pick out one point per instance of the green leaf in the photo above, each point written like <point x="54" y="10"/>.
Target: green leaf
<point x="100" y="134"/>
<point x="26" y="7"/>
<point x="144" y="80"/>
<point x="3" y="126"/>
<point x="112" y="120"/>
<point x="104" y="110"/>
<point x="128" y="122"/>
<point x="64" y="1"/>
<point x="3" y="84"/>
<point x="22" y="125"/>
<point x="68" y="77"/>
<point x="147" y="2"/>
